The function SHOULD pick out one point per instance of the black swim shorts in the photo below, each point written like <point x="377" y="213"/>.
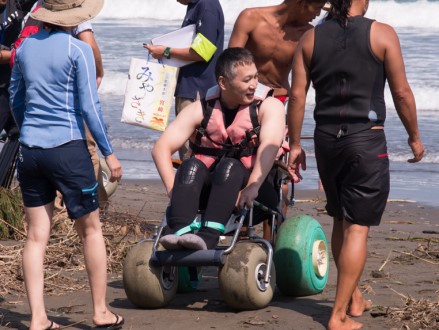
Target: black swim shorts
<point x="354" y="170"/>
<point x="67" y="168"/>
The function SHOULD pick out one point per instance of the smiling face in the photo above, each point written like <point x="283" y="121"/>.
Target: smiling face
<point x="240" y="88"/>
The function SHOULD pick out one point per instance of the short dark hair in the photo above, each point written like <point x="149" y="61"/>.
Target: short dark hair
<point x="229" y="59"/>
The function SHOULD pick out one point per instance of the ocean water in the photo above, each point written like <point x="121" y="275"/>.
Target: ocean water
<point x="121" y="30"/>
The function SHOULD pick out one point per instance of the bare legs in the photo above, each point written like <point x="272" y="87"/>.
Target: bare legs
<point x="95" y="257"/>
<point x="349" y="248"/>
<point x="90" y="233"/>
<point x="38" y="219"/>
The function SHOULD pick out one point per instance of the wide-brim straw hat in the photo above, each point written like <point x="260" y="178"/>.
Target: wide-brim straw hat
<point x="67" y="12"/>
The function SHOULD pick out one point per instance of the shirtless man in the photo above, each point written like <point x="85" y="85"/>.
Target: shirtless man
<point x="272" y="34"/>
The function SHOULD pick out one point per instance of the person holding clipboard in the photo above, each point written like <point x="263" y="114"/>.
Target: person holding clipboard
<point x="196" y="78"/>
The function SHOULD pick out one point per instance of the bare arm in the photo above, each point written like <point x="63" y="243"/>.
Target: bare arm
<point x="5" y="56"/>
<point x="296" y="105"/>
<point x="88" y="37"/>
<point x="385" y="44"/>
<point x="272" y="119"/>
<point x="241" y="30"/>
<point x="186" y="54"/>
<point x="177" y="133"/>
<point x="208" y="20"/>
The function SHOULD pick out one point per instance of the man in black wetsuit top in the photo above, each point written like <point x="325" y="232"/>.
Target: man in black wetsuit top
<point x="348" y="59"/>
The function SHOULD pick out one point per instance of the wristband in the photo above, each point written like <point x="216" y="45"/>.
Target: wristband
<point x="167" y="53"/>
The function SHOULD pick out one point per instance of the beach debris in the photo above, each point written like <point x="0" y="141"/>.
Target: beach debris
<point x="430" y="232"/>
<point x="255" y="321"/>
<point x="379" y="274"/>
<point x="314" y="200"/>
<point x="399" y="222"/>
<point x="413" y="239"/>
<point x="385" y="262"/>
<point x="393" y="200"/>
<point x="414" y="314"/>
<point x="416" y="257"/>
<point x="63" y="310"/>
<point x="366" y="288"/>
<point x="64" y="261"/>
<point x="11" y="214"/>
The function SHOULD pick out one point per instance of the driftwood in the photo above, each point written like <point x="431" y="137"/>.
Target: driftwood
<point x="64" y="260"/>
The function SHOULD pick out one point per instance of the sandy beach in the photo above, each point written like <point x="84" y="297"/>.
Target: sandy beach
<point x="401" y="276"/>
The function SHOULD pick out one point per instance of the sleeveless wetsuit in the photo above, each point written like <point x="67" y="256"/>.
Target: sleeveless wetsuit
<point x="351" y="158"/>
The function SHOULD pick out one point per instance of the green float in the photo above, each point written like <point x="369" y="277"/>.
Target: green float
<point x="301" y="257"/>
<point x="185" y="283"/>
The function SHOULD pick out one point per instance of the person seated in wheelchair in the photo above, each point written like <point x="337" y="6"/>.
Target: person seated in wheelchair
<point x="234" y="136"/>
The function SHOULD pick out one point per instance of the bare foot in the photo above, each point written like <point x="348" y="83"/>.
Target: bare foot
<point x="345" y="324"/>
<point x="356" y="309"/>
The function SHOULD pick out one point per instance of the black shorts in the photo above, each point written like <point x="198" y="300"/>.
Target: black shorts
<point x="354" y="170"/>
<point x="269" y="195"/>
<point x="67" y="168"/>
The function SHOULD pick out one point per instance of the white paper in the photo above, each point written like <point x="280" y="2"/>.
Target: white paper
<point x="181" y="38"/>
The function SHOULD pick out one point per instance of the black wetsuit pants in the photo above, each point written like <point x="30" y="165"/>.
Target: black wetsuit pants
<point x="215" y="191"/>
<point x="196" y="187"/>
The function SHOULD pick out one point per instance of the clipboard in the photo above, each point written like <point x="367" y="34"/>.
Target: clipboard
<point x="181" y="38"/>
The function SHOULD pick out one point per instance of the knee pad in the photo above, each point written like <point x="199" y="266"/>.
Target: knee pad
<point x="189" y="170"/>
<point x="229" y="169"/>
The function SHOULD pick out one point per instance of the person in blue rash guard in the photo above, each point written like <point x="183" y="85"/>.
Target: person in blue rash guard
<point x="53" y="92"/>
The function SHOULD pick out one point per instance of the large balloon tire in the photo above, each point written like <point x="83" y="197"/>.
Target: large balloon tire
<point x="110" y="187"/>
<point x="301" y="257"/>
<point x="147" y="286"/>
<point x="185" y="284"/>
<point x="241" y="278"/>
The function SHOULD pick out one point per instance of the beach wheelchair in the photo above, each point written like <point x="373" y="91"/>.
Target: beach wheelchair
<point x="249" y="267"/>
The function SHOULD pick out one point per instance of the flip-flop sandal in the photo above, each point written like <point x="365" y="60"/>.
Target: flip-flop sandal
<point x="113" y="326"/>
<point x="52" y="326"/>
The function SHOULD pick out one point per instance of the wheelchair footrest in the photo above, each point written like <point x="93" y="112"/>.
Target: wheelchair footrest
<point x="188" y="258"/>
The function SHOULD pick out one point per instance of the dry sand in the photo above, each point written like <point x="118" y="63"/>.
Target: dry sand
<point x="402" y="268"/>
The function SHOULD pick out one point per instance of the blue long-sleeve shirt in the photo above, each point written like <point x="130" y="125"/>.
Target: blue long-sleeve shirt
<point x="53" y="91"/>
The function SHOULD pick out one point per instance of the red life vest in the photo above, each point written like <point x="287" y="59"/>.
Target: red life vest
<point x="31" y="26"/>
<point x="240" y="140"/>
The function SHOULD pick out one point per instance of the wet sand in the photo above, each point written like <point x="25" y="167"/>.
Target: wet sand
<point x="403" y="263"/>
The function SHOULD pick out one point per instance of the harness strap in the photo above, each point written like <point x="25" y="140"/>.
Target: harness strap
<point x="254" y="115"/>
<point x="214" y="152"/>
<point x="196" y="225"/>
<point x="207" y="113"/>
<point x="231" y="151"/>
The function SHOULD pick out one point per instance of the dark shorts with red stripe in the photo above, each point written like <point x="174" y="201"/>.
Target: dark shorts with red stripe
<point x="354" y="170"/>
